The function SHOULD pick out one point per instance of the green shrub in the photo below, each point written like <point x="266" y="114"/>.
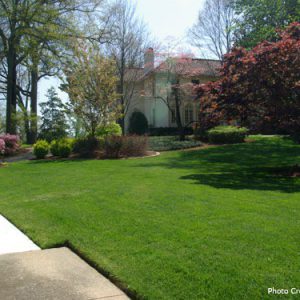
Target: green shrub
<point x="138" y="123"/>
<point x="41" y="149"/>
<point x="86" y="147"/>
<point x="125" y="146"/>
<point x="110" y="129"/>
<point x="64" y="148"/>
<point x="227" y="135"/>
<point x="54" y="147"/>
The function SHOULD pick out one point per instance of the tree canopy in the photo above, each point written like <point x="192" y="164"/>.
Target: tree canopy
<point x="259" y="88"/>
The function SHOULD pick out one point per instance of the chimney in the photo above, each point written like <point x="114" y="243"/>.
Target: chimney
<point x="148" y="60"/>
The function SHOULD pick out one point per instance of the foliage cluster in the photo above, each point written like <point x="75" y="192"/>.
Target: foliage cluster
<point x="86" y="146"/>
<point x="125" y="146"/>
<point x="61" y="148"/>
<point x="259" y="88"/>
<point x="138" y="123"/>
<point x="227" y="135"/>
<point x="109" y="129"/>
<point x="41" y="149"/>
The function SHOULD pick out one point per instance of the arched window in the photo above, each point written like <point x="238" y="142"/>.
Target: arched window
<point x="188" y="114"/>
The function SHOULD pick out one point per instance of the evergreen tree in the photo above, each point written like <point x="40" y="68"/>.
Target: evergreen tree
<point x="54" y="123"/>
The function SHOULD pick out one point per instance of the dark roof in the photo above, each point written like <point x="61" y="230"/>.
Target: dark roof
<point x="188" y="67"/>
<point x="191" y="66"/>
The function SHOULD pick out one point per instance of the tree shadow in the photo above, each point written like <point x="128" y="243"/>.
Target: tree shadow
<point x="241" y="166"/>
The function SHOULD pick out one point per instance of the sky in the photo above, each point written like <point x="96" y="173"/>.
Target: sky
<point x="165" y="18"/>
<point x="169" y="17"/>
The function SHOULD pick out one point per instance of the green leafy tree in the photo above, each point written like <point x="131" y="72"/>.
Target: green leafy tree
<point x="260" y="19"/>
<point x="29" y="33"/>
<point x="91" y="85"/>
<point x="54" y="123"/>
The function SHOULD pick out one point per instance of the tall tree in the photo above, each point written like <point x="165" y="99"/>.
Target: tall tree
<point x="260" y="19"/>
<point x="91" y="86"/>
<point x="26" y="28"/>
<point x="129" y="39"/>
<point x="213" y="31"/>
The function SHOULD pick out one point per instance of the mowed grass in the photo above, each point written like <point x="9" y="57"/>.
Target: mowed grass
<point x="208" y="224"/>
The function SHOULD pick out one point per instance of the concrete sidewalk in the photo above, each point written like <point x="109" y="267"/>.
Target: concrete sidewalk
<point x="28" y="273"/>
<point x="12" y="239"/>
<point x="52" y="274"/>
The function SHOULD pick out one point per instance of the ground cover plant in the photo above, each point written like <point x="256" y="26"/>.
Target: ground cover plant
<point x="214" y="223"/>
<point x="166" y="143"/>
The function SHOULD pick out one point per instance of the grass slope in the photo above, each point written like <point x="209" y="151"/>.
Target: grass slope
<point x="208" y="224"/>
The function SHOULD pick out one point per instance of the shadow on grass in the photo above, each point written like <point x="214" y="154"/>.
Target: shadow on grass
<point x="241" y="166"/>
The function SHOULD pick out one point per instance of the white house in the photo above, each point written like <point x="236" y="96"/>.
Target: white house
<point x="152" y="88"/>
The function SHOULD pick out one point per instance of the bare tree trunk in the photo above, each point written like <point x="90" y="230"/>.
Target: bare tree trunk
<point x="178" y="115"/>
<point x="11" y="97"/>
<point x="33" y="105"/>
<point x="122" y="74"/>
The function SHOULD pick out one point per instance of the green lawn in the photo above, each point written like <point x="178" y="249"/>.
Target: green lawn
<point x="207" y="224"/>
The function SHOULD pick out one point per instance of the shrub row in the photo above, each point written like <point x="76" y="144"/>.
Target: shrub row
<point x="61" y="148"/>
<point x="111" y="147"/>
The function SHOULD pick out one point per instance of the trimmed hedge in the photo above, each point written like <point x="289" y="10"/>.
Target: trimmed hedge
<point x="227" y="135"/>
<point x="41" y="149"/>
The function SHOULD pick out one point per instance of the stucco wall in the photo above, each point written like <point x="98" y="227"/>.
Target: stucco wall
<point x="147" y="100"/>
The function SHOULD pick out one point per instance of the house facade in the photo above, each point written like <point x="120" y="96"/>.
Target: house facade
<point x="153" y="89"/>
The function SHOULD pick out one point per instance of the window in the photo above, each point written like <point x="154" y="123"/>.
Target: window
<point x="188" y="114"/>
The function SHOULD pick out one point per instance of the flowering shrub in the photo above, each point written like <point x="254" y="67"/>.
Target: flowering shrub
<point x="2" y="147"/>
<point x="11" y="144"/>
